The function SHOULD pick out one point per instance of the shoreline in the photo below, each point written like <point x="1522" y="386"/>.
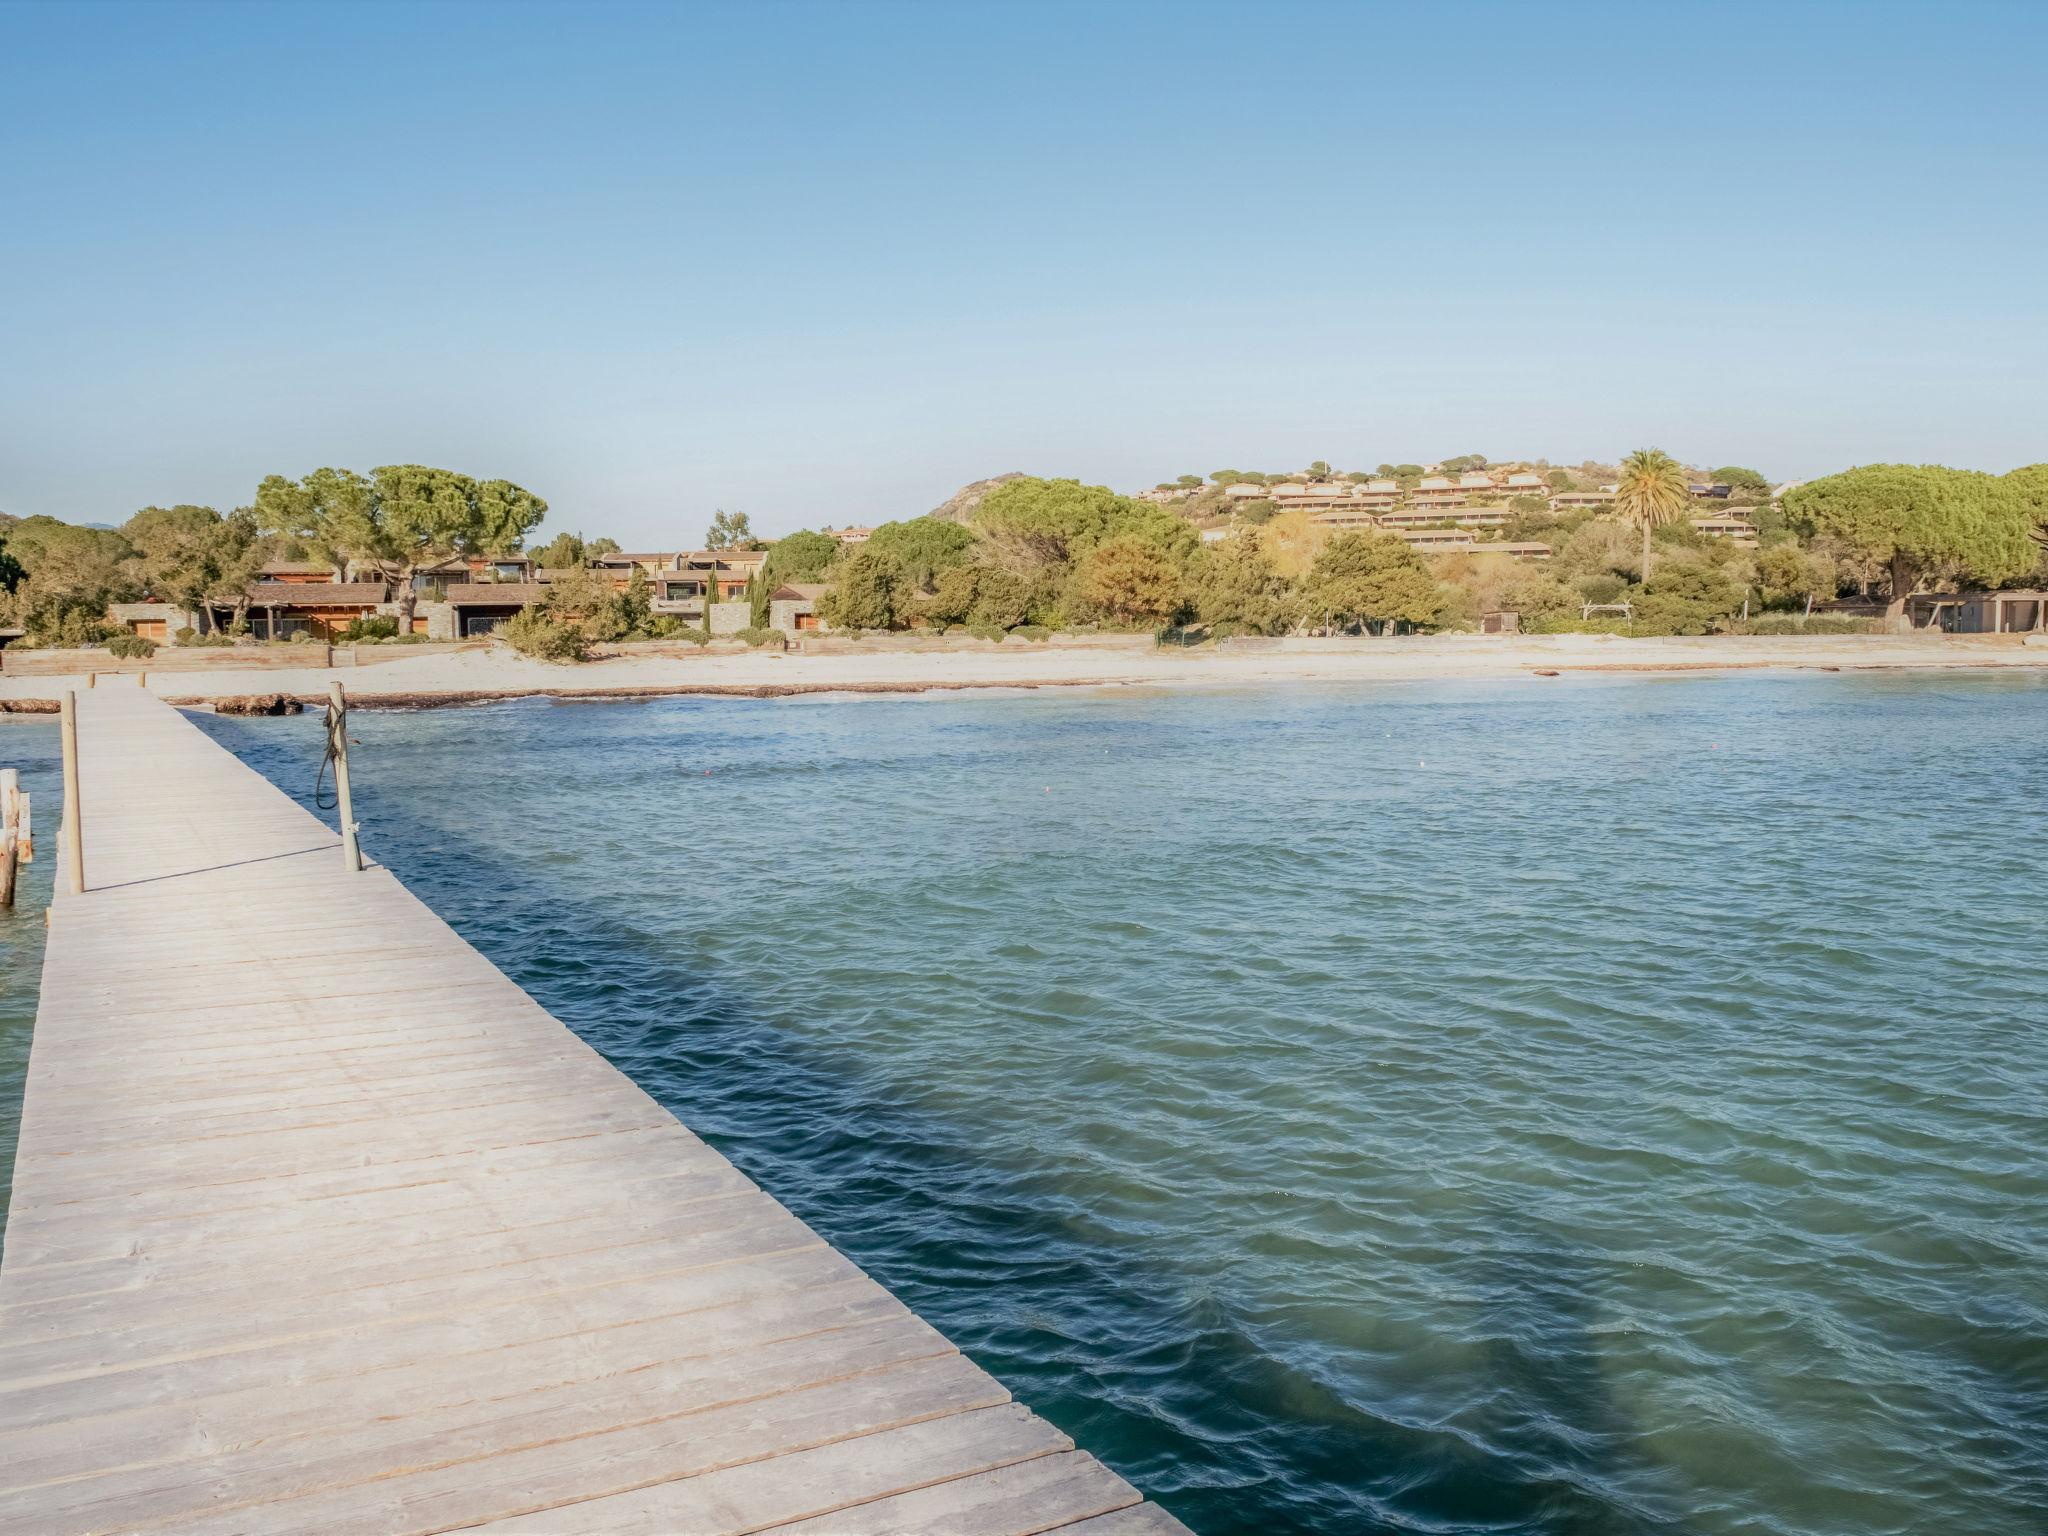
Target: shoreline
<point x="480" y="676"/>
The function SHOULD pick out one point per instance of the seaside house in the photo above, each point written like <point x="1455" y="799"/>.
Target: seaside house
<point x="282" y="608"/>
<point x="479" y="608"/>
<point x="793" y="607"/>
<point x="2010" y="611"/>
<point x="850" y="536"/>
<point x="1353" y="519"/>
<point x="1461" y="516"/>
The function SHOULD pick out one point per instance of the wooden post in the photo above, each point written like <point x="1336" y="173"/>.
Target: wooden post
<point x="337" y="748"/>
<point x="74" y="833"/>
<point x="10" y="796"/>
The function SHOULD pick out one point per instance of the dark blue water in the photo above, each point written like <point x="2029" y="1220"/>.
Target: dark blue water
<point x="1602" y="1105"/>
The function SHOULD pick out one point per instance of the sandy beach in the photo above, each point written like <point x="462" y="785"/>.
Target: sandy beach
<point x="497" y="672"/>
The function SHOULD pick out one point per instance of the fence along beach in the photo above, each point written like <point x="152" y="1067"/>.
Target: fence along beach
<point x="321" y="1223"/>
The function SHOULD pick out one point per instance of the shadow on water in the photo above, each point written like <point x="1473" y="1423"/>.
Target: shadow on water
<point x="1160" y="1379"/>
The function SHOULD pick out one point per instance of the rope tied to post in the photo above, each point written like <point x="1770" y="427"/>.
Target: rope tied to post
<point x="325" y="799"/>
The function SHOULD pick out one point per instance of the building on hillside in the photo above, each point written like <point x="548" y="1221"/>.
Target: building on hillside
<point x="1437" y="541"/>
<point x="1571" y="501"/>
<point x="1351" y="519"/>
<point x="1522" y="482"/>
<point x="1242" y="490"/>
<point x="1432" y="490"/>
<point x="1701" y="491"/>
<point x="1458" y="515"/>
<point x="1726" y="525"/>
<point x="620" y="565"/>
<point x="793" y="607"/>
<point x="850" y="536"/>
<point x="1516" y="549"/>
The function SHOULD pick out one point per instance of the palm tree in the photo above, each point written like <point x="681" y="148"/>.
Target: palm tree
<point x="1653" y="489"/>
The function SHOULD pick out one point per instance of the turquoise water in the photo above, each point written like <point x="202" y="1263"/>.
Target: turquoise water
<point x="1595" y="1105"/>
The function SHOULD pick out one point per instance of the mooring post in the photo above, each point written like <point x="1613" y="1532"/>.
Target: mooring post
<point x="337" y="748"/>
<point x="10" y="836"/>
<point x="74" y="833"/>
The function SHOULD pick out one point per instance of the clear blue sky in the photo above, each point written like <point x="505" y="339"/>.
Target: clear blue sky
<point x="824" y="263"/>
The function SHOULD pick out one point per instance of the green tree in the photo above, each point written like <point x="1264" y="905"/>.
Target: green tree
<point x="636" y="604"/>
<point x="729" y="530"/>
<point x="1319" y="470"/>
<point x="193" y="556"/>
<point x="953" y="598"/>
<point x="399" y="518"/>
<point x="1686" y="597"/>
<point x="1131" y="579"/>
<point x="800" y="556"/>
<point x="1652" y="491"/>
<point x="10" y="569"/>
<point x="1064" y="519"/>
<point x="565" y="551"/>
<point x="1370" y="578"/>
<point x="923" y="546"/>
<point x="1735" y="477"/>
<point x="1233" y="582"/>
<point x="1189" y="482"/>
<point x="70" y="574"/>
<point x="2029" y="484"/>
<point x="757" y="597"/>
<point x="870" y="590"/>
<point x="1226" y="476"/>
<point x="1558" y="479"/>
<point x="1920" y="521"/>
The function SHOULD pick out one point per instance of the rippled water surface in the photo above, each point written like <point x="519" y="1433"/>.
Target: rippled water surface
<point x="1598" y="1105"/>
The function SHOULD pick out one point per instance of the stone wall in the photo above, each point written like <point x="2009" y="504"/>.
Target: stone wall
<point x="730" y="618"/>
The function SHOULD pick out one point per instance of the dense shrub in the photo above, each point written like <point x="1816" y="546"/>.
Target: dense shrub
<point x="1033" y="632"/>
<point x="131" y="647"/>
<point x="1819" y="624"/>
<point x="377" y="628"/>
<point x="754" y="635"/>
<point x="986" y="632"/>
<point x="540" y="634"/>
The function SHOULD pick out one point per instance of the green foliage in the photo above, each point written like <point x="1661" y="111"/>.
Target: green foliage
<point x="565" y="551"/>
<point x="868" y="590"/>
<point x="924" y="547"/>
<point x="381" y="627"/>
<point x="1922" y="520"/>
<point x="1653" y="490"/>
<point x="10" y="569"/>
<point x="1529" y="506"/>
<point x="1032" y="632"/>
<point x="1233" y="582"/>
<point x="1131" y="579"/>
<point x="1370" y="578"/>
<point x="1684" y="598"/>
<point x="1558" y="479"/>
<point x="1189" y="483"/>
<point x="1319" y="470"/>
<point x="991" y="632"/>
<point x="1818" y="624"/>
<point x="1462" y="463"/>
<point x="800" y="556"/>
<point x="1064" y="519"/>
<point x="729" y="530"/>
<point x="1256" y="514"/>
<point x="1737" y="478"/>
<point x="130" y="647"/>
<point x="761" y="634"/>
<point x="635" y="605"/>
<point x="1788" y="574"/>
<point x="543" y="635"/>
<point x="401" y="516"/>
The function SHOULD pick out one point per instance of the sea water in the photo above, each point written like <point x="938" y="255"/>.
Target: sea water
<point x="1561" y="1106"/>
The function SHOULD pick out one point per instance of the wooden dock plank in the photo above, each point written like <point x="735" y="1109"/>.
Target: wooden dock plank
<point x="320" y="1223"/>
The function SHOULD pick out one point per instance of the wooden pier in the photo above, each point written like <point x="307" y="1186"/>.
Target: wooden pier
<point x="320" y="1224"/>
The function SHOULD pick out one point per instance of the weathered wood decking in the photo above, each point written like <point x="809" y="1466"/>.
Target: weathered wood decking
<point x="321" y="1224"/>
